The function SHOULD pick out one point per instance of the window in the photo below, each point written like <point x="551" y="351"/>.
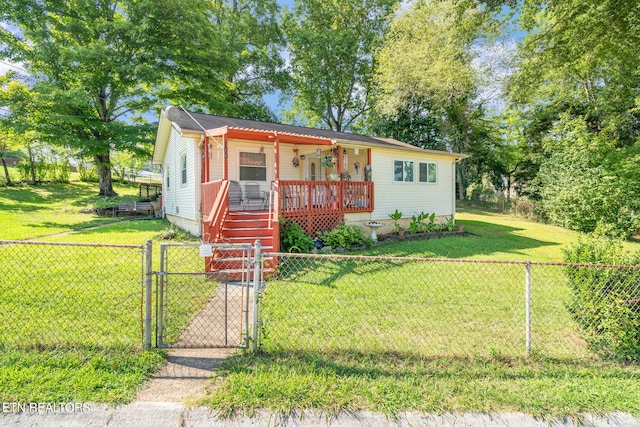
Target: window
<point x="403" y="171"/>
<point x="168" y="180"/>
<point x="428" y="173"/>
<point x="253" y="167"/>
<point x="183" y="163"/>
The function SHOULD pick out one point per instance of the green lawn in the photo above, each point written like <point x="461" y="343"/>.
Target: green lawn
<point x="28" y="212"/>
<point x="399" y="335"/>
<point x="327" y="345"/>
<point x="80" y="306"/>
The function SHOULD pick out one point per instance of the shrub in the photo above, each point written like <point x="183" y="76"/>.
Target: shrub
<point x="606" y="301"/>
<point x="293" y="238"/>
<point x="343" y="236"/>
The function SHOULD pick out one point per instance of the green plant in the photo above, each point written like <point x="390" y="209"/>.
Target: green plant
<point x="293" y="237"/>
<point x="418" y="224"/>
<point x="328" y="161"/>
<point x="343" y="236"/>
<point x="449" y="224"/>
<point x="396" y="217"/>
<point x="605" y="300"/>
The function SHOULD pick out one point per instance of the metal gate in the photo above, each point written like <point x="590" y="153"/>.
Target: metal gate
<point x="204" y="295"/>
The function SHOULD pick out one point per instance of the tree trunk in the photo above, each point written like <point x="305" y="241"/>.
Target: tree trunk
<point x="32" y="163"/>
<point x="6" y="170"/>
<point x="460" y="185"/>
<point x="103" y="163"/>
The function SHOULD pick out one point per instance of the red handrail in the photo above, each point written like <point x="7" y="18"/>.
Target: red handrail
<point x="215" y="203"/>
<point x="310" y="197"/>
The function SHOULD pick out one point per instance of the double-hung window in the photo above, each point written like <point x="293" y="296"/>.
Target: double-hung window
<point x="403" y="171"/>
<point x="428" y="172"/>
<point x="253" y="166"/>
<point x="183" y="169"/>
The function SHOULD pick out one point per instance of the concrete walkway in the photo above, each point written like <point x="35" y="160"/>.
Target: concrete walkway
<point x="165" y="414"/>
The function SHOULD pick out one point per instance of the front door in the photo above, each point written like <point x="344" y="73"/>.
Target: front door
<point x="315" y="171"/>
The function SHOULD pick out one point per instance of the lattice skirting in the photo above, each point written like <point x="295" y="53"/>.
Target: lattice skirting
<point x="317" y="221"/>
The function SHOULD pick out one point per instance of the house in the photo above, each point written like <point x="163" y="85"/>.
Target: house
<point x="230" y="180"/>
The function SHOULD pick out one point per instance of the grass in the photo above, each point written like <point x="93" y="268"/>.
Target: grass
<point x="28" y="212"/>
<point x="394" y="336"/>
<point x="72" y="332"/>
<point x="490" y="236"/>
<point x="406" y="356"/>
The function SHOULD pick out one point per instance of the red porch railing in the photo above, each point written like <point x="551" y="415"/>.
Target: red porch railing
<point x="215" y="204"/>
<point x="304" y="197"/>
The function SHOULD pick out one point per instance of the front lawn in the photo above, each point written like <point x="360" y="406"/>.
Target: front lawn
<point x="30" y="211"/>
<point x="391" y="336"/>
<point x="71" y="314"/>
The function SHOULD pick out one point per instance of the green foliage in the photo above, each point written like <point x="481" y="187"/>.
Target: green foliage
<point x="450" y="224"/>
<point x="98" y="67"/>
<point x="396" y="216"/>
<point x="87" y="171"/>
<point x="586" y="184"/>
<point x="606" y="301"/>
<point x="332" y="46"/>
<point x="423" y="223"/>
<point x="293" y="237"/>
<point x="343" y="236"/>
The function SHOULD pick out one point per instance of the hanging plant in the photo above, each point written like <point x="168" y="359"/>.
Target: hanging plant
<point x="328" y="161"/>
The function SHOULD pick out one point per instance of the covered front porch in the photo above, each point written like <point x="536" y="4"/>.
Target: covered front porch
<point x="256" y="168"/>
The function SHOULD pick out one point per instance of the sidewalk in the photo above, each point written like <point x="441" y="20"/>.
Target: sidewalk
<point x="154" y="414"/>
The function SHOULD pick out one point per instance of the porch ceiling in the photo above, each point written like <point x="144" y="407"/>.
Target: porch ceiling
<point x="268" y="136"/>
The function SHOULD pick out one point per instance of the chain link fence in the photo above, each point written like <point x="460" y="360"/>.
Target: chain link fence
<point x="68" y="295"/>
<point x="203" y="301"/>
<point x="71" y="295"/>
<point x="445" y="307"/>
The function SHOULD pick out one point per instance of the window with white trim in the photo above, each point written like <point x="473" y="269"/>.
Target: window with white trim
<point x="167" y="178"/>
<point x="428" y="172"/>
<point x="403" y="170"/>
<point x="183" y="167"/>
<point x="253" y="166"/>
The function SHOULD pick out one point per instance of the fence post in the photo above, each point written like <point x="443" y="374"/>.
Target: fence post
<point x="257" y="275"/>
<point x="148" y="251"/>
<point x="528" y="305"/>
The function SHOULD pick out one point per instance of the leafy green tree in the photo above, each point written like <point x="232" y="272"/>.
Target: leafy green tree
<point x="587" y="185"/>
<point x="97" y="67"/>
<point x="6" y="145"/>
<point x="417" y="124"/>
<point x="332" y="45"/>
<point x="425" y="68"/>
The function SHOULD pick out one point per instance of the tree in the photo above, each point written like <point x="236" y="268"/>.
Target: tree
<point x="425" y="67"/>
<point x="98" y="66"/>
<point x="332" y="45"/>
<point x="417" y="124"/>
<point x="577" y="87"/>
<point x="5" y="140"/>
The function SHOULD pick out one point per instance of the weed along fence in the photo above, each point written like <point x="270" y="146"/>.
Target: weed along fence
<point x="56" y="295"/>
<point x="446" y="307"/>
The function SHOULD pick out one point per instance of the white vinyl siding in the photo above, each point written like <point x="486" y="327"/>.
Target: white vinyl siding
<point x="411" y="199"/>
<point x="181" y="174"/>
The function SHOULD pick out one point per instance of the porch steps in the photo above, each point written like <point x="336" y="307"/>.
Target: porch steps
<point x="241" y="228"/>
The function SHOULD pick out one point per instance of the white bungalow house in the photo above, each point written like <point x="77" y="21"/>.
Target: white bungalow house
<point x="230" y="180"/>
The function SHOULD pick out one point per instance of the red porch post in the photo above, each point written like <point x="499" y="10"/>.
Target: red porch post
<point x="225" y="160"/>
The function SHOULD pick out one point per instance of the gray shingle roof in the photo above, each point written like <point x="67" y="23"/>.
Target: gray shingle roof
<point x="198" y="121"/>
